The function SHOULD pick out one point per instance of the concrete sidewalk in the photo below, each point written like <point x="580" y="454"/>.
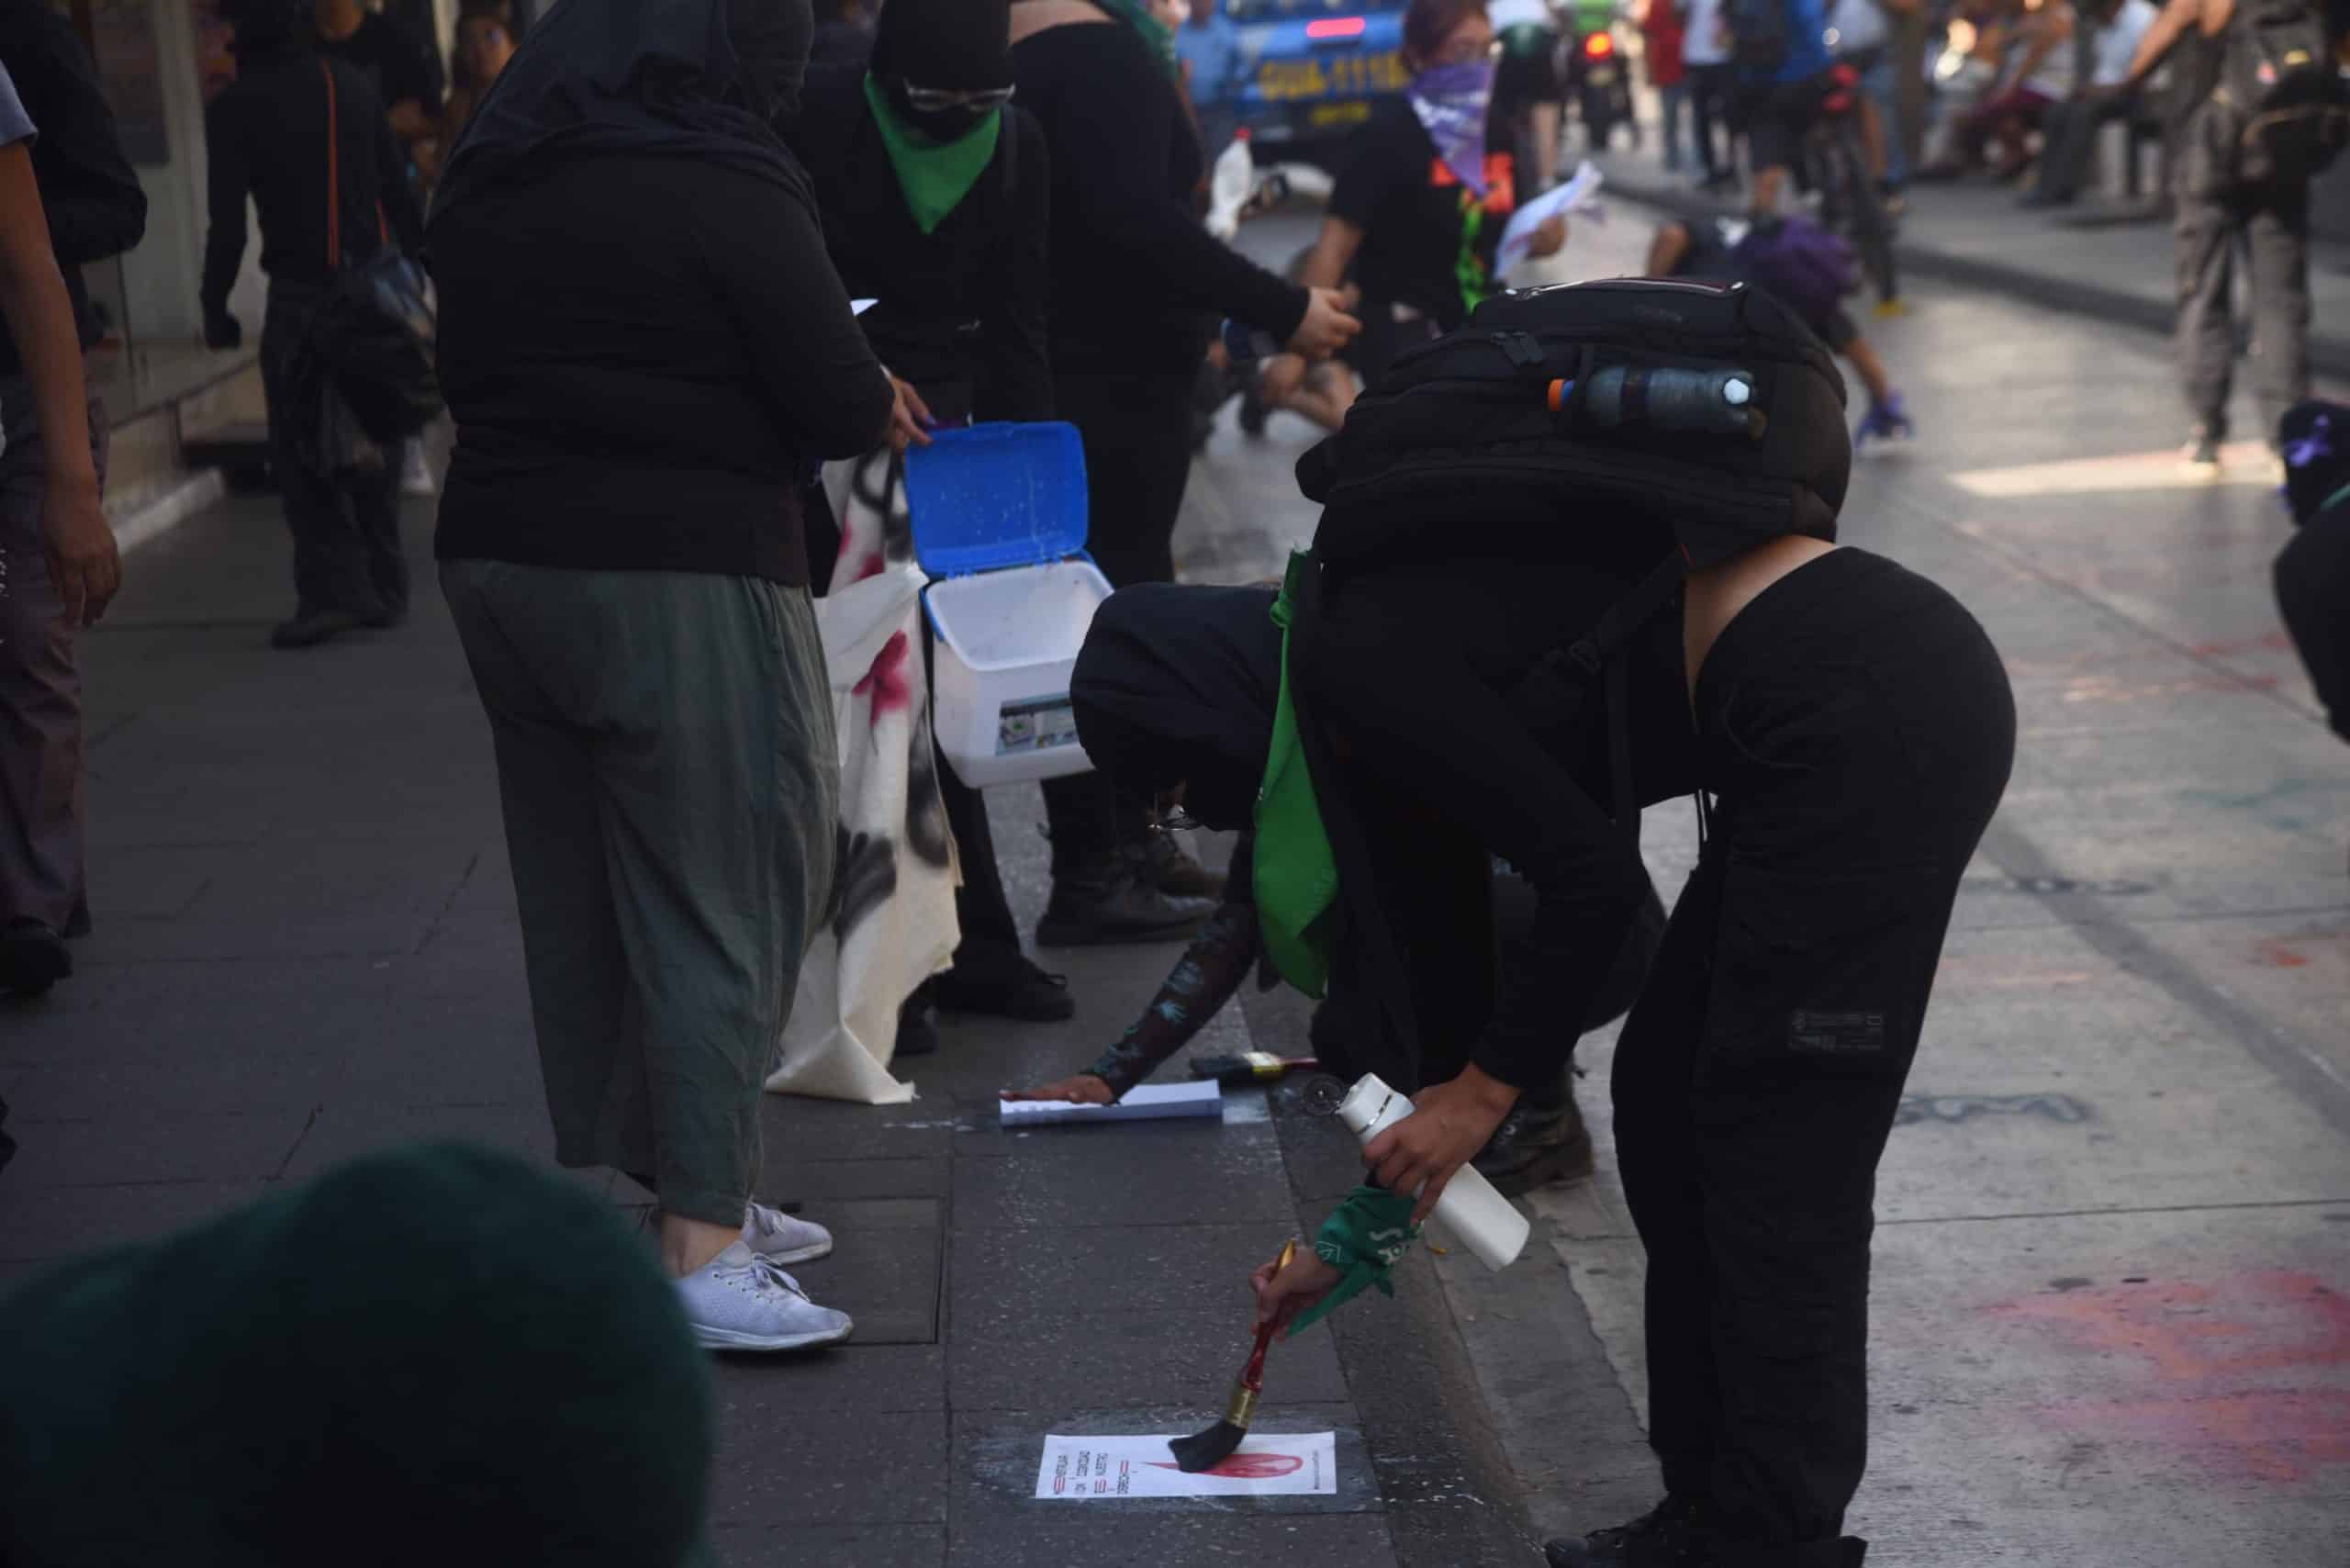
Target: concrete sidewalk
<point x="2081" y="262"/>
<point x="306" y="948"/>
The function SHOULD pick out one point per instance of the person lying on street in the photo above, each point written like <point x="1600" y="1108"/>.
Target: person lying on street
<point x="1847" y="729"/>
<point x="1798" y="261"/>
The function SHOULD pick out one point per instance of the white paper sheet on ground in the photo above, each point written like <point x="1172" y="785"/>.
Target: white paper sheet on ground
<point x="1576" y="195"/>
<point x="859" y="307"/>
<point x="1145" y="1103"/>
<point x="1266" y="1464"/>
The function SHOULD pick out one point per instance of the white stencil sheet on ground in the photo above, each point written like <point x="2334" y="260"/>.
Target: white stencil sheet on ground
<point x="1267" y="1464"/>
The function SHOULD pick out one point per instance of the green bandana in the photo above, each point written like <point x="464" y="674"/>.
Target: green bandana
<point x="1469" y="269"/>
<point x="1151" y="29"/>
<point x="935" y="175"/>
<point x="1364" y="1239"/>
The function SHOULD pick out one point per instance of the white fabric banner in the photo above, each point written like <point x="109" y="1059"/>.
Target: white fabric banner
<point x="893" y="925"/>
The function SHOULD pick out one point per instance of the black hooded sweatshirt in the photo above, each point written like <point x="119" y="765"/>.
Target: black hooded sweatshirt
<point x="655" y="392"/>
<point x="962" y="309"/>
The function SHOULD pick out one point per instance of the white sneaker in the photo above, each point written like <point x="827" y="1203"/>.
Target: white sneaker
<point x="779" y="1238"/>
<point x="416" y="471"/>
<point x="740" y="1301"/>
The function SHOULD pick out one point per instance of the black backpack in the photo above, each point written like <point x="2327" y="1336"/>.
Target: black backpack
<point x="2280" y="112"/>
<point x="1556" y="408"/>
<point x="1757" y="35"/>
<point x="1620" y="419"/>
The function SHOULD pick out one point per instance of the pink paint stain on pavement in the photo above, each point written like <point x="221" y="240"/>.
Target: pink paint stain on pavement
<point x="2249" y="1376"/>
<point x="2291" y="952"/>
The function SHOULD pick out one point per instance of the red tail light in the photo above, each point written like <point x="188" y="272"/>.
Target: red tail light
<point x="1599" y="46"/>
<point x="1335" y="27"/>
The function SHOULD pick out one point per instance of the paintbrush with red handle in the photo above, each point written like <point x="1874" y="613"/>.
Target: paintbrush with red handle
<point x="1205" y="1450"/>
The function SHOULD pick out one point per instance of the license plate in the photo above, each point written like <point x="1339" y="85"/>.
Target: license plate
<point x="1340" y="75"/>
<point x="1603" y="77"/>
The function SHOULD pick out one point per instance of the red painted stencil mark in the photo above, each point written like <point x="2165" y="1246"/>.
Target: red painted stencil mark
<point x="1246" y="1466"/>
<point x="2269" y="643"/>
<point x="2250" y="1375"/>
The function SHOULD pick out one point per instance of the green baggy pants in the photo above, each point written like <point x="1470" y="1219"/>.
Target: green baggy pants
<point x="668" y="769"/>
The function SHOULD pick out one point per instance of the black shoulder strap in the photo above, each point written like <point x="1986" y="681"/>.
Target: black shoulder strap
<point x="1007" y="155"/>
<point x="1558" y="684"/>
<point x="1628" y="615"/>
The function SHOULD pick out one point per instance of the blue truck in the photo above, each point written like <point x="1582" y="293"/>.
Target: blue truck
<point x="1298" y="75"/>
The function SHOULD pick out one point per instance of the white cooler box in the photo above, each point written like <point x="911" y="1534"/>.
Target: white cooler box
<point x="998" y="513"/>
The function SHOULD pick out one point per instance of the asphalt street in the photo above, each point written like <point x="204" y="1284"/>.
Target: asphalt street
<point x="2112" y="1298"/>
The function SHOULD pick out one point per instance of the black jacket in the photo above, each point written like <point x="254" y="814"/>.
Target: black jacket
<point x="962" y="307"/>
<point x="1136" y="280"/>
<point x="94" y="205"/>
<point x="646" y="356"/>
<point x="265" y="137"/>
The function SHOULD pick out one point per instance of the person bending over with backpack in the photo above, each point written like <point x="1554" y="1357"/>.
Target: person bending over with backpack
<point x="1810" y="270"/>
<point x="1176" y="693"/>
<point x="1848" y="730"/>
<point x="2269" y="115"/>
<point x="2313" y="571"/>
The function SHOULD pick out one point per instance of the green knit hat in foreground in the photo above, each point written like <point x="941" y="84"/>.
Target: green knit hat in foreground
<point x="434" y="1355"/>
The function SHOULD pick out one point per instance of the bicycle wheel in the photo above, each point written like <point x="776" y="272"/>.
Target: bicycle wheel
<point x="1871" y="229"/>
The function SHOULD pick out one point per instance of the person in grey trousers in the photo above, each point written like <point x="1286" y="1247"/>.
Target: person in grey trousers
<point x="70" y="199"/>
<point x="622" y="544"/>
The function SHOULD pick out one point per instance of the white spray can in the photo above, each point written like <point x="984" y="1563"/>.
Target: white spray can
<point x="1231" y="179"/>
<point x="1470" y="1209"/>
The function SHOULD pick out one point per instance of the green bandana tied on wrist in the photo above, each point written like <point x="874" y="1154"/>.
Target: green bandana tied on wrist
<point x="1364" y="1239"/>
<point x="1152" y="31"/>
<point x="935" y="175"/>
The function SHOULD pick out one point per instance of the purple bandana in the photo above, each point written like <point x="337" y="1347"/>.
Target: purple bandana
<point x="1451" y="101"/>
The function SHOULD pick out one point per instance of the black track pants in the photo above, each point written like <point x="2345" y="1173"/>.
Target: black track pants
<point x="1858" y="728"/>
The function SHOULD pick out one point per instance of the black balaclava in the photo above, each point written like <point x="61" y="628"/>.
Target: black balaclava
<point x="2314" y="439"/>
<point x="956" y="46"/>
<point x="265" y="28"/>
<point x="771" y="41"/>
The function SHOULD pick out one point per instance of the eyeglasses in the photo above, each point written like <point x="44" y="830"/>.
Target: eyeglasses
<point x="938" y="100"/>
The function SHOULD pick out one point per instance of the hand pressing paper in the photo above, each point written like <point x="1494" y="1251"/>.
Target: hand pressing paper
<point x="1148" y="1102"/>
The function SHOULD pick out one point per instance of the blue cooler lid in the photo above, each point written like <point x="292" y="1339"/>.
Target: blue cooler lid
<point x="986" y="496"/>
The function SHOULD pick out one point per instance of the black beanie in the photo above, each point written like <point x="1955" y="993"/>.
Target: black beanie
<point x="432" y="1352"/>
